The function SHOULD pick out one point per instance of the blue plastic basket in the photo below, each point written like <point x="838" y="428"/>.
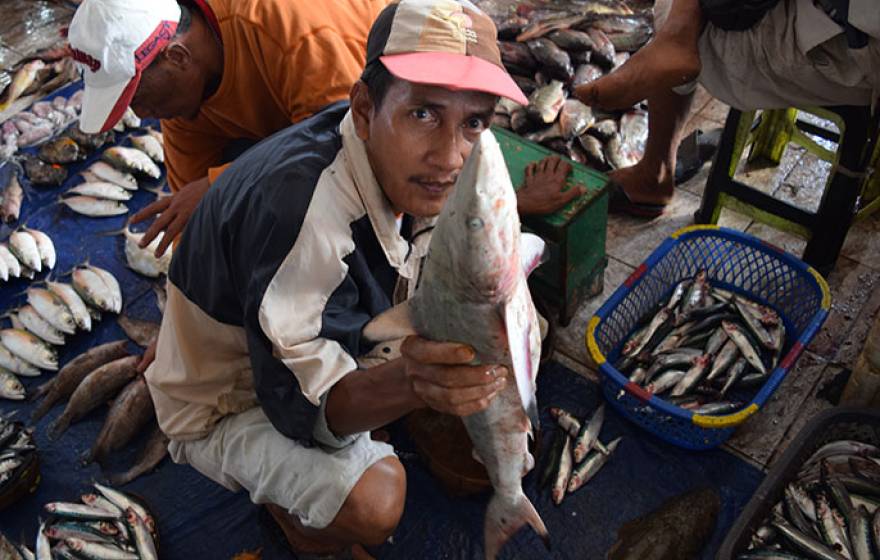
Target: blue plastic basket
<point x="734" y="261"/>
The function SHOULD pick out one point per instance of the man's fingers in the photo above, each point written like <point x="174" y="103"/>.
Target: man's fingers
<point x="458" y="377"/>
<point x="161" y="222"/>
<point x="572" y="194"/>
<point x="431" y="393"/>
<point x="430" y="352"/>
<point x="151" y="210"/>
<point x="170" y="235"/>
<point x="530" y="169"/>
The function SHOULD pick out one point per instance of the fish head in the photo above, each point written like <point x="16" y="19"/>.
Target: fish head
<point x="477" y="233"/>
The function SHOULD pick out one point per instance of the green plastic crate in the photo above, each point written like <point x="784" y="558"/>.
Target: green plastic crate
<point x="575" y="235"/>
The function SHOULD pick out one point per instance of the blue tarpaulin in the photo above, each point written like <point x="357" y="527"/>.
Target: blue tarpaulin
<point x="198" y="519"/>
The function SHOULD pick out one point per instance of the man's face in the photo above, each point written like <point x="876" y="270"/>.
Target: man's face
<point x="418" y="140"/>
<point x="171" y="86"/>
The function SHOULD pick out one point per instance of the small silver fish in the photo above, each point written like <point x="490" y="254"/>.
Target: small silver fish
<point x="53" y="309"/>
<point x="12" y="263"/>
<point x="74" y="303"/>
<point x="150" y="146"/>
<point x="94" y="207"/>
<point x="588" y="438"/>
<point x="33" y="322"/>
<point x="10" y="387"/>
<point x="132" y="160"/>
<point x="24" y="247"/>
<point x="16" y="365"/>
<point x="29" y="348"/>
<point x="744" y="346"/>
<point x="102" y="189"/>
<point x="102" y="171"/>
<point x="563" y="474"/>
<point x="587" y="470"/>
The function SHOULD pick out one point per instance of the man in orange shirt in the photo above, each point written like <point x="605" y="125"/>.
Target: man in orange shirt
<point x="219" y="73"/>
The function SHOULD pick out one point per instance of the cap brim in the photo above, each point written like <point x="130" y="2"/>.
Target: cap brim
<point x="103" y="107"/>
<point x="454" y="71"/>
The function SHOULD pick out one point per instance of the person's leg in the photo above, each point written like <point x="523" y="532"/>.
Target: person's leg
<point x="368" y="516"/>
<point x="324" y="499"/>
<point x="652" y="180"/>
<point x="670" y="60"/>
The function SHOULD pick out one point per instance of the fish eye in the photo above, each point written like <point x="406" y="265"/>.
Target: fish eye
<point x="475" y="223"/>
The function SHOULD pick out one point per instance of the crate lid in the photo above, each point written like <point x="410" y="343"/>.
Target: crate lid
<point x="519" y="153"/>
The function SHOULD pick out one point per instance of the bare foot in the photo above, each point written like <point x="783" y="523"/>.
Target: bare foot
<point x="645" y="184"/>
<point x="542" y="191"/>
<point x="660" y="66"/>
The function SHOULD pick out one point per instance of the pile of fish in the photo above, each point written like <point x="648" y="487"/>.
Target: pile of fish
<point x="577" y="453"/>
<point x="831" y="511"/>
<point x="107" y="525"/>
<point x="25" y="253"/>
<point x="52" y="312"/>
<point x="110" y="183"/>
<point x="41" y="122"/>
<point x="16" y="449"/>
<point x="103" y="374"/>
<point x="702" y="345"/>
<point x="47" y="167"/>
<point x="552" y="50"/>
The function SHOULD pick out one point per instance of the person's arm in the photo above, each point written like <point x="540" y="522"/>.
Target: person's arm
<point x="429" y="374"/>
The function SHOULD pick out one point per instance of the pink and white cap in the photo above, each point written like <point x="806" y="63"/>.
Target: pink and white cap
<point x="448" y="43"/>
<point x="114" y="41"/>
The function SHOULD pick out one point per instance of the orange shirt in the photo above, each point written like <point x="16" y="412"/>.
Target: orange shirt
<point x="283" y="61"/>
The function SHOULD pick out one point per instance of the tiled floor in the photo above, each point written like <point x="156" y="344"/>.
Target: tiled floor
<point x="800" y="180"/>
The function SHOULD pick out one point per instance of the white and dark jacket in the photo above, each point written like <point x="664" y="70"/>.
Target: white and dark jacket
<point x="293" y="249"/>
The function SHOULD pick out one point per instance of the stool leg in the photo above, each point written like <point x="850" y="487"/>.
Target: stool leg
<point x="773" y="135"/>
<point x="838" y="206"/>
<point x="721" y="171"/>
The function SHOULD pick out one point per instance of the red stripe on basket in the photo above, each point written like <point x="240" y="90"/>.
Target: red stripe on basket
<point x="637" y="273"/>
<point x="638" y="392"/>
<point x="772" y="246"/>
<point x="792" y="355"/>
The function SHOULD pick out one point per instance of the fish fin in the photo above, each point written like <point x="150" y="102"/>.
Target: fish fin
<point x="505" y="516"/>
<point x="519" y="338"/>
<point x="390" y="325"/>
<point x="476" y="456"/>
<point x="532" y="252"/>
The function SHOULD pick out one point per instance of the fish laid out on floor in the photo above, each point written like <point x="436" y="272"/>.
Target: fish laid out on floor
<point x="486" y="304"/>
<point x="143" y="260"/>
<point x="678" y="530"/>
<point x="143" y="333"/>
<point x="552" y="52"/>
<point x="132" y="160"/>
<point x="148" y="459"/>
<point x="582" y="454"/>
<point x="94" y="207"/>
<point x="829" y="510"/>
<point x="71" y="375"/>
<point x="17" y="446"/>
<point x="94" y="390"/>
<point x="98" y="288"/>
<point x="132" y="409"/>
<point x="13" y="195"/>
<point x="106" y="525"/>
<point x="101" y="171"/>
<point x="102" y="189"/>
<point x="41" y="173"/>
<point x="149" y="145"/>
<point x="703" y="345"/>
<point x="26" y="252"/>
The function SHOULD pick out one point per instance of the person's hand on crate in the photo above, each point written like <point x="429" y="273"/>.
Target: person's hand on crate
<point x="543" y="191"/>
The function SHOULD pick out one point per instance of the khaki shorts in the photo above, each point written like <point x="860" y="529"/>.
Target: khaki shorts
<point x="246" y="451"/>
<point x="764" y="68"/>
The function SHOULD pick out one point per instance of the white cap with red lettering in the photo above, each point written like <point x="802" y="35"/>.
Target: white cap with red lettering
<point x="114" y="40"/>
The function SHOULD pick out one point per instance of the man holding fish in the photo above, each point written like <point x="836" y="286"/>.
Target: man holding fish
<point x="264" y="378"/>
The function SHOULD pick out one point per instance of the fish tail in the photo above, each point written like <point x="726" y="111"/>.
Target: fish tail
<point x="59" y="426"/>
<point x="41" y="410"/>
<point x="505" y="516"/>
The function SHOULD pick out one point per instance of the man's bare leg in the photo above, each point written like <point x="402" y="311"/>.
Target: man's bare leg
<point x="368" y="516"/>
<point x="652" y="180"/>
<point x="671" y="59"/>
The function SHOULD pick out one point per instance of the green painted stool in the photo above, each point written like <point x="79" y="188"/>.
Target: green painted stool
<point x="575" y="235"/>
<point x="849" y="181"/>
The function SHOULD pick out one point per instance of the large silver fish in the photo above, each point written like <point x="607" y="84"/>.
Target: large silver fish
<point x="473" y="290"/>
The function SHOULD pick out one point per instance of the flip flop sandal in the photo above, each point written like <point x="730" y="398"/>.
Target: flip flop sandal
<point x="620" y="203"/>
<point x="693" y="152"/>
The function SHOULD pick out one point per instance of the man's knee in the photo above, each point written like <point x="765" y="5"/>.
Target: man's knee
<point x="374" y="506"/>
